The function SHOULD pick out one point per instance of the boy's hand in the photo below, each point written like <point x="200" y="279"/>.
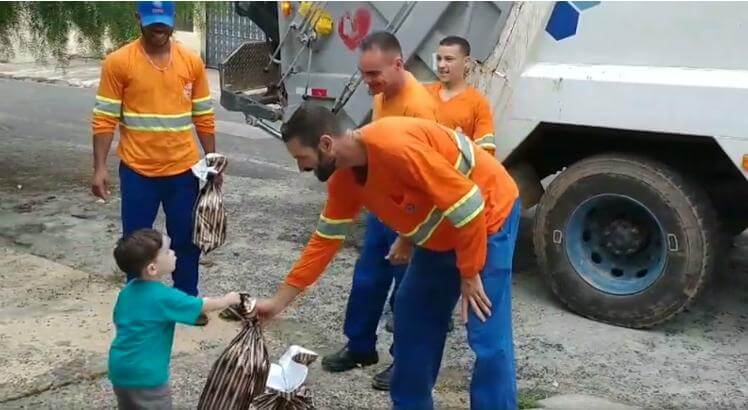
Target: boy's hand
<point x="233" y="298"/>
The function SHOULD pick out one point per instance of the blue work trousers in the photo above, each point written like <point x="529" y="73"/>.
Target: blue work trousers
<point x="425" y="301"/>
<point x="141" y="198"/>
<point x="372" y="279"/>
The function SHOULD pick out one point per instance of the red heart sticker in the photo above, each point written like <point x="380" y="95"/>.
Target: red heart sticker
<point x="353" y="29"/>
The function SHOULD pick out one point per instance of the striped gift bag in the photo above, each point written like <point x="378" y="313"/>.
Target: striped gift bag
<point x="240" y="373"/>
<point x="210" y="217"/>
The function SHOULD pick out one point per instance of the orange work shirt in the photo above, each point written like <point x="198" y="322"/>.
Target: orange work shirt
<point x="413" y="100"/>
<point x="430" y="184"/>
<point x="155" y="109"/>
<point x="468" y="110"/>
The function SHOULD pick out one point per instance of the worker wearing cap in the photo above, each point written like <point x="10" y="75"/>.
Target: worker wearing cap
<point x="155" y="91"/>
<point x="461" y="106"/>
<point x="383" y="257"/>
<point x="456" y="203"/>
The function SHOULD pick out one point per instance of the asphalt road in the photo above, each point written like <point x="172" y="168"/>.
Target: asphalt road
<point x="697" y="360"/>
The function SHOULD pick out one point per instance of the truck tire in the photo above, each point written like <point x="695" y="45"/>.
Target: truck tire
<point x="625" y="240"/>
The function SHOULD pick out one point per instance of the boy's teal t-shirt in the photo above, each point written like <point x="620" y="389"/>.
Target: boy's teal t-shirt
<point x="144" y="318"/>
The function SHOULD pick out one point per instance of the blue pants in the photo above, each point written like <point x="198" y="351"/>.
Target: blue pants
<point x="141" y="197"/>
<point x="372" y="278"/>
<point x="425" y="301"/>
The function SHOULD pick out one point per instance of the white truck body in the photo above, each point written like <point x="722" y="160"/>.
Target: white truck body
<point x="632" y="109"/>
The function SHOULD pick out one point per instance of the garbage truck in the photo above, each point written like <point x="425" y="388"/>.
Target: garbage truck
<point x="622" y="123"/>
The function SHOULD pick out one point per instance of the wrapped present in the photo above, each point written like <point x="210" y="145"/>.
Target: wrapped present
<point x="285" y="385"/>
<point x="240" y="373"/>
<point x="209" y="231"/>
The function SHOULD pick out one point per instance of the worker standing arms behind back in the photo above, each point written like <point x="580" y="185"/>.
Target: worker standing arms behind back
<point x="155" y="90"/>
<point x="461" y="208"/>
<point x="460" y="104"/>
<point x="383" y="258"/>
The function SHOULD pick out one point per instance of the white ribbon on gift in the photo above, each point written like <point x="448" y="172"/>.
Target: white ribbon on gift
<point x="287" y="375"/>
<point x="201" y="170"/>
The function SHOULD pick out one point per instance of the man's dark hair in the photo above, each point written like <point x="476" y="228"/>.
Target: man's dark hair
<point x="456" y="41"/>
<point x="135" y="251"/>
<point x="308" y="123"/>
<point x="382" y="40"/>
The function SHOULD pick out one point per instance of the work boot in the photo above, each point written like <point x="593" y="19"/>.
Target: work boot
<point x="202" y="320"/>
<point x="343" y="360"/>
<point x="381" y="380"/>
<point x="390" y="324"/>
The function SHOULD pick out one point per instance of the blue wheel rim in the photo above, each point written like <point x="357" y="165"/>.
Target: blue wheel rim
<point x="616" y="244"/>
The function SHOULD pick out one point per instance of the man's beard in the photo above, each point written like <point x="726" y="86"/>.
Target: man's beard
<point x="325" y="168"/>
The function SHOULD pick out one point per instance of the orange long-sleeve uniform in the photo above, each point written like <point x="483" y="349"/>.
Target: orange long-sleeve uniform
<point x="155" y="109"/>
<point x="468" y="110"/>
<point x="427" y="182"/>
<point x="413" y="100"/>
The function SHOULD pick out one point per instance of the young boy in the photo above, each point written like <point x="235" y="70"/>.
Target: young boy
<point x="144" y="316"/>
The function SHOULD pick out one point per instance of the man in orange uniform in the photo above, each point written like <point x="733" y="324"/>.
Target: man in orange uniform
<point x="456" y="203"/>
<point x="460" y="104"/>
<point x="383" y="257"/>
<point x="155" y="90"/>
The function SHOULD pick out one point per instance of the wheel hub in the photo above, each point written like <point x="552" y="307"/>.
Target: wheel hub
<point x="616" y="244"/>
<point x="623" y="237"/>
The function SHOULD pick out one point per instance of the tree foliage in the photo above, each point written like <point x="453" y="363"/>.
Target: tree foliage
<point x="44" y="28"/>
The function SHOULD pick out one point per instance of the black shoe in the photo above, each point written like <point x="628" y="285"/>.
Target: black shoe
<point x="343" y="360"/>
<point x="390" y="325"/>
<point x="381" y="380"/>
<point x="202" y="320"/>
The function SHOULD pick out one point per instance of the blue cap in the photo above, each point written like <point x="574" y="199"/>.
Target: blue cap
<point x="152" y="12"/>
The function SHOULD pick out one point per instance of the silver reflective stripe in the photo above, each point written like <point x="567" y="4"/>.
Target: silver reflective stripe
<point x="158" y="122"/>
<point x="423" y="232"/>
<point x="465" y="210"/>
<point x="108" y="106"/>
<point x="202" y="106"/>
<point x="333" y="228"/>
<point x="488" y="140"/>
<point x="465" y="163"/>
<point x="466" y="160"/>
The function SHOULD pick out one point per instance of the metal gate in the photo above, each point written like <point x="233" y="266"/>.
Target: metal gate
<point x="225" y="31"/>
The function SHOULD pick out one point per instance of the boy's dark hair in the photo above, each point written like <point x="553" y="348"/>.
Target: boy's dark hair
<point x="308" y="123"/>
<point x="382" y="40"/>
<point x="456" y="41"/>
<point x="135" y="251"/>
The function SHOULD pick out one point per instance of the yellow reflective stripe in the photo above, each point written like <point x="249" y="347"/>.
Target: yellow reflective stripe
<point x="135" y="114"/>
<point x="198" y="100"/>
<point x="201" y="106"/>
<point x="333" y="228"/>
<point x="487" y="141"/>
<point x="108" y="100"/>
<point x="108" y="107"/>
<point x="157" y="122"/>
<point x="466" y="159"/>
<point x="465" y="210"/>
<point x="488" y="138"/>
<point x="421" y="233"/>
<point x="198" y="113"/>
<point x="107" y="113"/>
<point x="157" y="129"/>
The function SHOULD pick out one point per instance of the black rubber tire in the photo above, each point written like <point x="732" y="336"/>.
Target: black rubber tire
<point x="682" y="208"/>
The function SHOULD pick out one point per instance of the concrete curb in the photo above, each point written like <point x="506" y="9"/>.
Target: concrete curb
<point x="581" y="402"/>
<point x="72" y="82"/>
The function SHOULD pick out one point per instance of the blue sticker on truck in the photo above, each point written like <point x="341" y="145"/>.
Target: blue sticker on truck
<point x="565" y="18"/>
